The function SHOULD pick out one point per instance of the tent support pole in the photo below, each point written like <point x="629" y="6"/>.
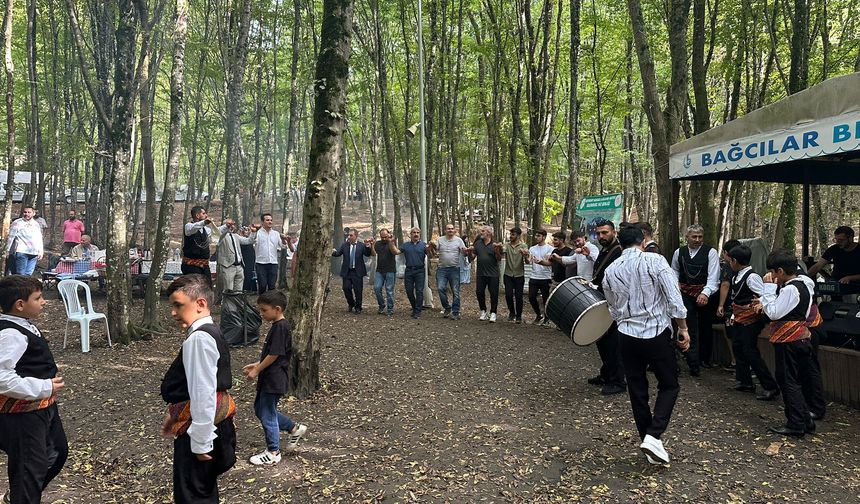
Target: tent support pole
<point x="805" y="219"/>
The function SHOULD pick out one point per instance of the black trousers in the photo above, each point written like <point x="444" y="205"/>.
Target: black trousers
<point x="611" y="368"/>
<point x="813" y="388"/>
<point x="538" y="287"/>
<point x="747" y="356"/>
<point x="36" y="446"/>
<point x="795" y="366"/>
<point x="699" y="321"/>
<point x="188" y="269"/>
<point x="514" y="294"/>
<point x="196" y="481"/>
<point x="659" y="353"/>
<point x="483" y="283"/>
<point x="353" y="288"/>
<point x="267" y="277"/>
<point x="413" y="282"/>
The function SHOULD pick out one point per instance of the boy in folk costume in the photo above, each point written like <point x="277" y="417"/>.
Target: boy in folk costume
<point x="791" y="309"/>
<point x="744" y="325"/>
<point x="31" y="432"/>
<point x="200" y="411"/>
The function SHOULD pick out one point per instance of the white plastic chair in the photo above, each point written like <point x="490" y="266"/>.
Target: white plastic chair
<point x="77" y="313"/>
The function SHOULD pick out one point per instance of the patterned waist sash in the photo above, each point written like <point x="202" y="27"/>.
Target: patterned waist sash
<point x="744" y="314"/>
<point x="180" y="413"/>
<point x="786" y="331"/>
<point x="200" y="263"/>
<point x="814" y="319"/>
<point x="691" y="290"/>
<point x="11" y="405"/>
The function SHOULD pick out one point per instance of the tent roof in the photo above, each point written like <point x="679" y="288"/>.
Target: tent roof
<point x="810" y="137"/>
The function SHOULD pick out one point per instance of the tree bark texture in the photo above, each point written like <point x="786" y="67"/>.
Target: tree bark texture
<point x="10" y="127"/>
<point x="324" y="172"/>
<point x="237" y="57"/>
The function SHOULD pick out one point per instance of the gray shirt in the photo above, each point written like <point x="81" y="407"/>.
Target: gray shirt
<point x="449" y="251"/>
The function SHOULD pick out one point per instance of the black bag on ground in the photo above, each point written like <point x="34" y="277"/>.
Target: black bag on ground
<point x="240" y="320"/>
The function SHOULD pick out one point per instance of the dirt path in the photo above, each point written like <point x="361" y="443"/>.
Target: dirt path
<point x="444" y="411"/>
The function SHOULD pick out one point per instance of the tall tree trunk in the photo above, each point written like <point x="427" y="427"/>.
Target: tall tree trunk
<point x="34" y="148"/>
<point x="570" y="203"/>
<point x="10" y="127"/>
<point x="237" y="56"/>
<point x="704" y="199"/>
<point x="165" y="214"/>
<point x="287" y="185"/>
<point x="147" y="99"/>
<point x="324" y="171"/>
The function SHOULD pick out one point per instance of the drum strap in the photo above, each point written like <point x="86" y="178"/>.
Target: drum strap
<point x="602" y="264"/>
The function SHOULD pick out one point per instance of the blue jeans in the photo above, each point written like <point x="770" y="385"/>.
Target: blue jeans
<point x="444" y="278"/>
<point x="25" y="264"/>
<point x="387" y="280"/>
<point x="266" y="408"/>
<point x="413" y="281"/>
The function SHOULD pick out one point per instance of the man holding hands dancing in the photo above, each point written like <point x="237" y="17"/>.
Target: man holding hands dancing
<point x="644" y="297"/>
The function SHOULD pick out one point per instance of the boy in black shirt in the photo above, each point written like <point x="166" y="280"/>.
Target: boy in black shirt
<point x="271" y="374"/>
<point x="31" y="432"/>
<point x="559" y="270"/>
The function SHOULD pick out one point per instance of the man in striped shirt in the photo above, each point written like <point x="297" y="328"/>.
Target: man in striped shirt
<point x="643" y="296"/>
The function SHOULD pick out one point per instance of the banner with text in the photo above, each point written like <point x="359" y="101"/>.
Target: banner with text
<point x="593" y="208"/>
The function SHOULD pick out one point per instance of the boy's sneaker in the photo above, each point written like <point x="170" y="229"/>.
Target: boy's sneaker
<point x="492" y="317"/>
<point x="483" y="315"/>
<point x="446" y="312"/>
<point x="265" y="458"/>
<point x="381" y="311"/>
<point x="455" y="316"/>
<point x="293" y="440"/>
<point x="519" y="320"/>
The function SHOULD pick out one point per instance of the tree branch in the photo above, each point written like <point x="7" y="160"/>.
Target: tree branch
<point x="85" y="66"/>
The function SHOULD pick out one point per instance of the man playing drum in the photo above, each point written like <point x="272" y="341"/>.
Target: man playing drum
<point x="644" y="297"/>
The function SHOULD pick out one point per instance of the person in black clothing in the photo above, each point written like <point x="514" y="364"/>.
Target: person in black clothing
<point x="195" y="388"/>
<point x="271" y="375"/>
<point x="488" y="254"/>
<point x="559" y="270"/>
<point x="195" y="244"/>
<point x="649" y="244"/>
<point x="698" y="268"/>
<point x="744" y="325"/>
<point x="248" y="265"/>
<point x="353" y="269"/>
<point x="844" y="255"/>
<point x="31" y="432"/>
<point x="611" y="375"/>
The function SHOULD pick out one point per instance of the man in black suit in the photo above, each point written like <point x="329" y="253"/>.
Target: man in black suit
<point x="352" y="270"/>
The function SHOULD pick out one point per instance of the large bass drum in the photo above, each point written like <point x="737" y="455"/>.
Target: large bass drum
<point x="579" y="311"/>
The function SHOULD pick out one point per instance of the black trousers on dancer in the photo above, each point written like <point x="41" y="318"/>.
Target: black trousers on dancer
<point x="487" y="282"/>
<point x="747" y="356"/>
<point x="353" y="289"/>
<point x="813" y="389"/>
<point x="795" y="366"/>
<point x="36" y="446"/>
<point x="538" y="287"/>
<point x="699" y="321"/>
<point x="514" y="295"/>
<point x="659" y="353"/>
<point x="196" y="481"/>
<point x="612" y="368"/>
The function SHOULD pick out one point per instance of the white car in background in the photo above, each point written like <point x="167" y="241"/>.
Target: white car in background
<point x="17" y="193"/>
<point x="180" y="196"/>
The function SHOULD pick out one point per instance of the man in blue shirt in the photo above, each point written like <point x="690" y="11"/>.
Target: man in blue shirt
<point x="414" y="252"/>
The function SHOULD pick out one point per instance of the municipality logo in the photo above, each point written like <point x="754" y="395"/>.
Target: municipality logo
<point x="687" y="162"/>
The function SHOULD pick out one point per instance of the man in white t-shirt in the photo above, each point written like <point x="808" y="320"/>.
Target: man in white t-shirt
<point x="540" y="255"/>
<point x="449" y="248"/>
<point x="583" y="256"/>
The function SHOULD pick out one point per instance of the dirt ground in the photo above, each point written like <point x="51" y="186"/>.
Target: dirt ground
<point x="443" y="411"/>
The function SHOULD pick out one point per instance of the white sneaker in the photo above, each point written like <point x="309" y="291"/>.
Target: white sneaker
<point x="293" y="440"/>
<point x="652" y="461"/>
<point x="265" y="458"/>
<point x="492" y="317"/>
<point x="6" y="498"/>
<point x="654" y="447"/>
<point x="483" y="315"/>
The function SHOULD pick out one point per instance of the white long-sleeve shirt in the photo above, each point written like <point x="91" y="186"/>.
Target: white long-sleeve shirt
<point x="13" y="344"/>
<point x="29" y="235"/>
<point x="713" y="283"/>
<point x="643" y="294"/>
<point x="584" y="263"/>
<point x="200" y="357"/>
<point x="754" y="281"/>
<point x="267" y="246"/>
<point x="193" y="227"/>
<point x="776" y="306"/>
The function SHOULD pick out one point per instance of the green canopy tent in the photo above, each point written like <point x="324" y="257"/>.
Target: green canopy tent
<point x="809" y="138"/>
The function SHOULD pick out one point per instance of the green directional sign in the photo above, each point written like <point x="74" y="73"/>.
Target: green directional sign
<point x="593" y="208"/>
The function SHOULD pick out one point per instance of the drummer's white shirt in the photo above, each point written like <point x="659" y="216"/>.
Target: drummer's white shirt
<point x="643" y="294"/>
